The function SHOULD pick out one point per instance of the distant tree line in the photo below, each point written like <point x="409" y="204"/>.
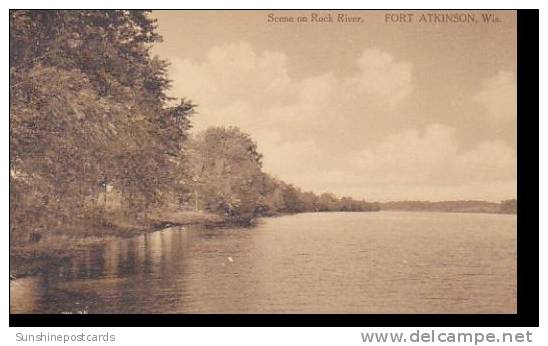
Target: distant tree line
<point x="89" y="115"/>
<point x="504" y="207"/>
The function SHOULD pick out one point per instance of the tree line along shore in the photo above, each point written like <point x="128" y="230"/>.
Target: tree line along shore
<point x="98" y="149"/>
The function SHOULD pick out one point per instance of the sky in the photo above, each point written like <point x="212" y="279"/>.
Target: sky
<point x="376" y="109"/>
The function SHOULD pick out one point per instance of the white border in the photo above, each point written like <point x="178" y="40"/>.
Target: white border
<point x="264" y="336"/>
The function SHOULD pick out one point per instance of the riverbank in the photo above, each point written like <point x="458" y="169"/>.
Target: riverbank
<point x="58" y="246"/>
<point x="323" y="261"/>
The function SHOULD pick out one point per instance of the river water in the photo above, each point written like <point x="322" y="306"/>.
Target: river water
<point x="377" y="262"/>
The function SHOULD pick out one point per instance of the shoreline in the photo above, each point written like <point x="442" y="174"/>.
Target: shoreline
<point x="31" y="259"/>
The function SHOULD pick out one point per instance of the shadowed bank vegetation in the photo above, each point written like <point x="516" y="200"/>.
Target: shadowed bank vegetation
<point x="98" y="149"/>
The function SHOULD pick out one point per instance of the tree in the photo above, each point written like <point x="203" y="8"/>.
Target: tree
<point x="227" y="170"/>
<point x="272" y="198"/>
<point x="88" y="110"/>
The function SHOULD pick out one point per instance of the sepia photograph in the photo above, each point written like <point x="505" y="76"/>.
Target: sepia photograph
<point x="263" y="162"/>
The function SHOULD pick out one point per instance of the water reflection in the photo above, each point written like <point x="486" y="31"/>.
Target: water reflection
<point x="312" y="263"/>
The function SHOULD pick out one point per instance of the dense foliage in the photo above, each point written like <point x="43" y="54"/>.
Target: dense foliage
<point x="88" y="113"/>
<point x="90" y="123"/>
<point x="226" y="169"/>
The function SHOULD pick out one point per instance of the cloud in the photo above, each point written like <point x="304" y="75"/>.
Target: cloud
<point x="430" y="162"/>
<point x="412" y="163"/>
<point x="232" y="73"/>
<point x="345" y="133"/>
<point x="409" y="156"/>
<point x="498" y="96"/>
<point x="256" y="86"/>
<point x="382" y="77"/>
<point x="490" y="161"/>
<point x="434" y="156"/>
